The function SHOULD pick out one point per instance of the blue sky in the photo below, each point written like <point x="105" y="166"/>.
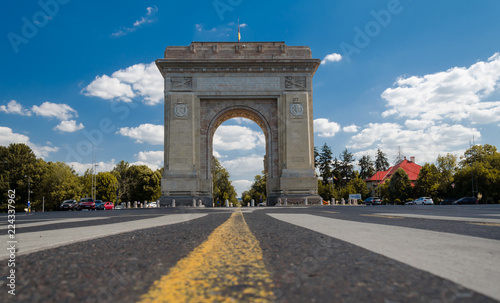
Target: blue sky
<point x="423" y="76"/>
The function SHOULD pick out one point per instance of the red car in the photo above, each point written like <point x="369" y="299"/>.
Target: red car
<point x="108" y="205"/>
<point x="86" y="203"/>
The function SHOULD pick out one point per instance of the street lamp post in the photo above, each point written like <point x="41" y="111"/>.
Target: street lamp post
<point x="29" y="190"/>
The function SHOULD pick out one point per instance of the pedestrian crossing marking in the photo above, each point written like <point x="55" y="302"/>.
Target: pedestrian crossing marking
<point x="227" y="267"/>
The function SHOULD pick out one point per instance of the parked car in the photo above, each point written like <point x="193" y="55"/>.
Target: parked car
<point x="86" y="203"/>
<point x="423" y="201"/>
<point x="466" y="200"/>
<point x="109" y="205"/>
<point x="410" y="203"/>
<point x="151" y="205"/>
<point x="448" y="201"/>
<point x="118" y="207"/>
<point x="69" y="205"/>
<point x="262" y="204"/>
<point x="373" y="201"/>
<point x="99" y="205"/>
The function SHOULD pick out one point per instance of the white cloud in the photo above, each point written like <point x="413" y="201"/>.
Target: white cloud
<point x="325" y="128"/>
<point x="241" y="185"/>
<point x="418" y="124"/>
<point x="350" y="129"/>
<point x="15" y="108"/>
<point x="456" y="94"/>
<point x="243" y="165"/>
<point x="7" y="136"/>
<point x="231" y="137"/>
<point x="68" y="126"/>
<point x="54" y="110"/>
<point x="139" y="80"/>
<point x="149" y="18"/>
<point x="108" y="88"/>
<point x="425" y="144"/>
<point x="144" y="133"/>
<point x="153" y="158"/>
<point x="222" y="30"/>
<point x="102" y="166"/>
<point x="334" y="57"/>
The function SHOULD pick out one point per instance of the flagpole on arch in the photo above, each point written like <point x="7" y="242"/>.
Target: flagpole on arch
<point x="239" y="34"/>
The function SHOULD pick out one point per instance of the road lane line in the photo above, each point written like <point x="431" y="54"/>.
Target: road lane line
<point x="485" y="224"/>
<point x="227" y="267"/>
<point x="470" y="261"/>
<point x="41" y="240"/>
<point x="382" y="216"/>
<point x="446" y="218"/>
<point x="56" y="221"/>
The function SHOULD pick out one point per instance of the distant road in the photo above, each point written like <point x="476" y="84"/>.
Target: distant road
<point x="281" y="254"/>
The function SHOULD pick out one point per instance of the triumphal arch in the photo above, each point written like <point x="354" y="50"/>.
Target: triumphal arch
<point x="207" y="83"/>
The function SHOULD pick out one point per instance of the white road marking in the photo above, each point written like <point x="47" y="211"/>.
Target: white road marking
<point x="470" y="261"/>
<point x="56" y="221"/>
<point x="41" y="240"/>
<point x="447" y="218"/>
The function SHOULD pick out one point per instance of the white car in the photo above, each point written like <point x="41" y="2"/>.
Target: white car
<point x="151" y="205"/>
<point x="423" y="201"/>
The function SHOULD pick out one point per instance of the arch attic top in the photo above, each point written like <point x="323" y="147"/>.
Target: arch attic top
<point x="221" y="54"/>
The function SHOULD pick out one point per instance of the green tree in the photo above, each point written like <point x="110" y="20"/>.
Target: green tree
<point x="19" y="164"/>
<point x="122" y="175"/>
<point x="381" y="163"/>
<point x="346" y="167"/>
<point x="399" y="186"/>
<point x="222" y="188"/>
<point x="106" y="186"/>
<point x="258" y="190"/>
<point x="479" y="174"/>
<point x="366" y="167"/>
<point x="428" y="181"/>
<point x="447" y="167"/>
<point x="325" y="163"/>
<point x="325" y="190"/>
<point x="59" y="183"/>
<point x="145" y="184"/>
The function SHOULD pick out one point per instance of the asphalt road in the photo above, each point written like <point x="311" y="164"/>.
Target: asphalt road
<point x="281" y="254"/>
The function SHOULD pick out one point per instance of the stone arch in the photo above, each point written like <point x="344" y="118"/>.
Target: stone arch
<point x="206" y="84"/>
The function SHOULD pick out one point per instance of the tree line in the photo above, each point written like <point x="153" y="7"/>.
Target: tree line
<point x="474" y="174"/>
<point x="50" y="183"/>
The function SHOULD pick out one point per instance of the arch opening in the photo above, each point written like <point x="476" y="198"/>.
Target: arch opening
<point x="239" y="144"/>
<point x="248" y="161"/>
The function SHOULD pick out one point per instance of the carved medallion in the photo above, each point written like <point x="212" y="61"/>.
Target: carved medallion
<point x="296" y="109"/>
<point x="181" y="110"/>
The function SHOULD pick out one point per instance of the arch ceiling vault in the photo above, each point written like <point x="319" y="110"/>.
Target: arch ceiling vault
<point x="207" y="83"/>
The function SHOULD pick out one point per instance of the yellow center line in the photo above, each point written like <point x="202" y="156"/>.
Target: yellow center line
<point x="227" y="267"/>
<point x="485" y="224"/>
<point x="330" y="212"/>
<point x="383" y="216"/>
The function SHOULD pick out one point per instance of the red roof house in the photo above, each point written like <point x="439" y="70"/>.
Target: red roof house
<point x="410" y="167"/>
